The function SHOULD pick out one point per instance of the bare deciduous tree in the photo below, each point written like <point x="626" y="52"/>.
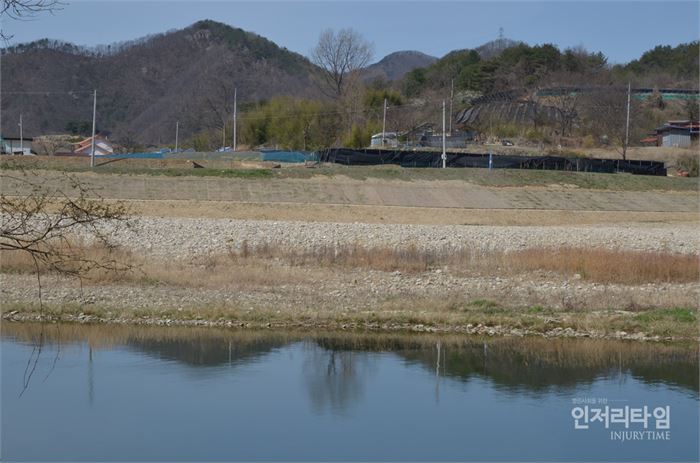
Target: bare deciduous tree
<point x="606" y="110"/>
<point x="219" y="105"/>
<point x="20" y="9"/>
<point x="25" y="9"/>
<point x="43" y="222"/>
<point x="340" y="56"/>
<point x="49" y="145"/>
<point x="566" y="104"/>
<point x="128" y="142"/>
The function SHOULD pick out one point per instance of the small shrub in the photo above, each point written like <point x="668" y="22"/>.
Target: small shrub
<point x="534" y="135"/>
<point x="506" y="131"/>
<point x="689" y="163"/>
<point x="588" y="141"/>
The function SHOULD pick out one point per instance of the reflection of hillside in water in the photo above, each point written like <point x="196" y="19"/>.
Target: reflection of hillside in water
<point x="207" y="352"/>
<point x="336" y="365"/>
<point x="538" y="372"/>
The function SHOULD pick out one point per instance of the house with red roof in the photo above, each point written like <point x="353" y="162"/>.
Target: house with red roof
<point x="103" y="146"/>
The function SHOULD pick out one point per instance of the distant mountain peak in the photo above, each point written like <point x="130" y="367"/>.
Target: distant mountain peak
<point x="144" y="84"/>
<point x="395" y="65"/>
<point x="406" y="54"/>
<point x="496" y="47"/>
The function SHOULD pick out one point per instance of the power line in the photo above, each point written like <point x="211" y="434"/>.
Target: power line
<point x="324" y="113"/>
<point x="71" y="92"/>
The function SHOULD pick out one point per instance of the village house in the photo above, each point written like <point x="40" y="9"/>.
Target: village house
<point x="103" y="146"/>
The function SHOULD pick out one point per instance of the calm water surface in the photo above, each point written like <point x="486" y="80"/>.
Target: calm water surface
<point x="116" y="393"/>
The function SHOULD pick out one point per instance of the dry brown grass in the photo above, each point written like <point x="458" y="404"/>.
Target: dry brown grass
<point x="609" y="266"/>
<point x="598" y="265"/>
<point x="216" y="271"/>
<point x="222" y="271"/>
<point x="94" y="261"/>
<point x="270" y="265"/>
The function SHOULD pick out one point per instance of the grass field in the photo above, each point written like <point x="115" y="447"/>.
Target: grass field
<point x="264" y="170"/>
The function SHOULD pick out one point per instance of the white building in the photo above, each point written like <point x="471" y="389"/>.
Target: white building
<point x="387" y="139"/>
<point x="16" y="146"/>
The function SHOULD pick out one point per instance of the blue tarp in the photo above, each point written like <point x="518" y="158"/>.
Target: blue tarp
<point x="288" y="156"/>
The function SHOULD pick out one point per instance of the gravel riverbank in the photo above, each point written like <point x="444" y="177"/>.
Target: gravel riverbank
<point x="277" y="293"/>
<point x="182" y="237"/>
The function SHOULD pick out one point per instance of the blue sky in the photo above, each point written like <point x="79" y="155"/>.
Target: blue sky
<point x="621" y="30"/>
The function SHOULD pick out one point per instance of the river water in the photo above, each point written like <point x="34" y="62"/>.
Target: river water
<point x="100" y="393"/>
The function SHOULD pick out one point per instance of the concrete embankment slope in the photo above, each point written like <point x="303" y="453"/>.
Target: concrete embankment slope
<point x="369" y="192"/>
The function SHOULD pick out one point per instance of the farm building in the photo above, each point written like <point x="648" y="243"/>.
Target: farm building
<point x="679" y="134"/>
<point x="11" y="145"/>
<point x="102" y="146"/>
<point x="388" y="139"/>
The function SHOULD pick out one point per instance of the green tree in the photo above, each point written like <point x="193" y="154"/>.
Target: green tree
<point x="414" y="82"/>
<point x="374" y="99"/>
<point x="290" y="123"/>
<point x="360" y="136"/>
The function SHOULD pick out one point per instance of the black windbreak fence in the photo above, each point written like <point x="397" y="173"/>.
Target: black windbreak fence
<point x="373" y="157"/>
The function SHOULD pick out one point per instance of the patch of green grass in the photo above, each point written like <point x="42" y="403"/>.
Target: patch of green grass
<point x="535" y="309"/>
<point x="484" y="304"/>
<point x="164" y="171"/>
<point x="501" y="177"/>
<point x="668" y="322"/>
<point x="677" y="314"/>
<point x="484" y="177"/>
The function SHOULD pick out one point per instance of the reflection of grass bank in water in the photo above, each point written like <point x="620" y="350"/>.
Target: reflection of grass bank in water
<point x="531" y="363"/>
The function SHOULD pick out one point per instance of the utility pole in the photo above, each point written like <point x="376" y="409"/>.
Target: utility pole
<point x="444" y="148"/>
<point x="235" y="110"/>
<point x="384" y="124"/>
<point x="94" y="121"/>
<point x="452" y="96"/>
<point x="627" y="127"/>
<point x="223" y="134"/>
<point x="177" y="133"/>
<point x="21" y="136"/>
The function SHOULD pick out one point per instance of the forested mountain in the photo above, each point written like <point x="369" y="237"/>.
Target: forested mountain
<point x="523" y="66"/>
<point x="666" y="66"/>
<point x="143" y="87"/>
